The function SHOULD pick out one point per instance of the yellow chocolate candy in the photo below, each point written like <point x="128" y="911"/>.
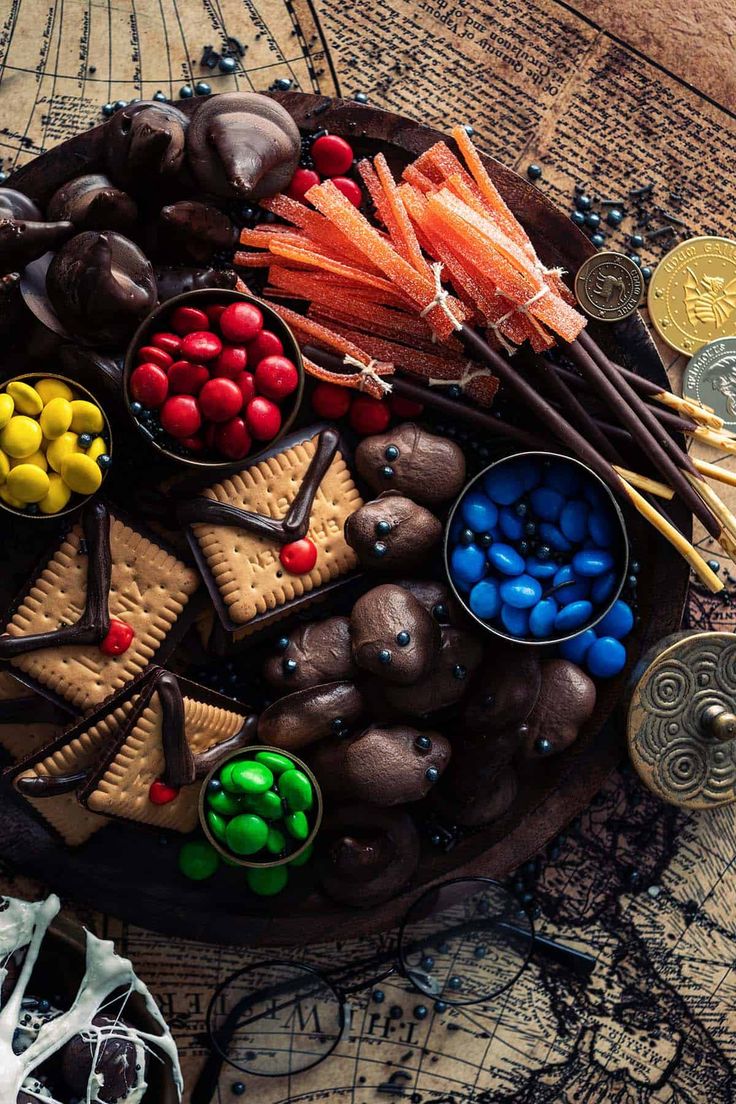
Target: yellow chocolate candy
<point x="27" y="483"/>
<point x="86" y="417"/>
<point x="97" y="448"/>
<point x="20" y="437"/>
<point x="37" y="458"/>
<point x="50" y="389"/>
<point x="56" y="417"/>
<point x="27" y="400"/>
<point x="4" y="467"/>
<point x="7" y="407"/>
<point x="58" y="495"/>
<point x="60" y="448"/>
<point x="9" y="499"/>
<point x="80" y="473"/>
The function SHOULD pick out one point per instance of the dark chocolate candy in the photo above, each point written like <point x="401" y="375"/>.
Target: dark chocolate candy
<point x="480" y="794"/>
<point x="448" y="678"/>
<point x="366" y="854"/>
<point x="427" y="468"/>
<point x="386" y="766"/>
<point x="194" y="231"/>
<point x="175" y="281"/>
<point x="309" y="715"/>
<point x="566" y="701"/>
<point x="504" y="691"/>
<point x="101" y="286"/>
<point x="242" y="144"/>
<point x="321" y="651"/>
<point x="145" y="142"/>
<point x="120" y="1064"/>
<point x="23" y="241"/>
<point x="94" y="203"/>
<point x="17" y="205"/>
<point x="436" y="598"/>
<point x="393" y="635"/>
<point x="392" y="533"/>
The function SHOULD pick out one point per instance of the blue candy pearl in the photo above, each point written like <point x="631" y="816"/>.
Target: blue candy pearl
<point x="578" y="218"/>
<point x="506" y="559"/>
<point x="542" y="618"/>
<point x="606" y="658"/>
<point x="570" y="617"/>
<point x="574" y="520"/>
<point x="468" y="565"/>
<point x="511" y="525"/>
<point x="592" y="562"/>
<point x="603" y="588"/>
<point x="227" y="65"/>
<point x="618" y="622"/>
<point x="547" y="503"/>
<point x="614" y="217"/>
<point x="575" y="649"/>
<point x="504" y="485"/>
<point x="515" y="621"/>
<point x="522" y="592"/>
<point x="484" y="600"/>
<point x="479" y="512"/>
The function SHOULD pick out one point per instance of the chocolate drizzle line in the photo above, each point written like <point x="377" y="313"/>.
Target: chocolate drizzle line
<point x="206" y="760"/>
<point x="94" y="624"/>
<point x="179" y="761"/>
<point x="52" y="785"/>
<point x="284" y="530"/>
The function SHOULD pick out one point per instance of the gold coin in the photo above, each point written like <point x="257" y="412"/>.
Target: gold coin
<point x="692" y="293"/>
<point x="608" y="286"/>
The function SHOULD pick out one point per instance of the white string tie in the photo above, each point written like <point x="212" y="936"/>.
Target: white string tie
<point x="367" y="371"/>
<point x="441" y="295"/>
<point x="469" y="373"/>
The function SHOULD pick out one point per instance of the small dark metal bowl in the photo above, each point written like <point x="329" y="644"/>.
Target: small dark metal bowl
<point x="204" y="298"/>
<point x="622" y="557"/>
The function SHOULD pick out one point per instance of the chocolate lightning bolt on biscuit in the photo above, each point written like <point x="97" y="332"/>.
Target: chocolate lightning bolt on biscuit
<point x="98" y="612"/>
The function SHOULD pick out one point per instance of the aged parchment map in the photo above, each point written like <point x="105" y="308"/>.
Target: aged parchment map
<point x="612" y="95"/>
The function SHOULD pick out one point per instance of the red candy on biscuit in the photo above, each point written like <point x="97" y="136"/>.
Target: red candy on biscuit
<point x="240" y="322"/>
<point x="299" y="557"/>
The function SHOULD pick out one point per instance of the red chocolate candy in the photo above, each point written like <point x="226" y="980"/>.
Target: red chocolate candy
<point x="232" y="439"/>
<point x="186" y="378"/>
<point x="170" y="342"/>
<point x="330" y="401"/>
<point x="301" y="182"/>
<point x="247" y="384"/>
<point x="332" y="155"/>
<point x="151" y="354"/>
<point x="263" y="419"/>
<point x="276" y="377"/>
<point x="201" y="346"/>
<point x="231" y="362"/>
<point x="194" y="444"/>
<point x="180" y="416"/>
<point x="220" y="399"/>
<point x="209" y="434"/>
<point x="369" y="415"/>
<point x="404" y="408"/>
<point x="349" y="189"/>
<point x="264" y="344"/>
<point x="240" y="322"/>
<point x="299" y="557"/>
<point x="214" y="312"/>
<point x="161" y="794"/>
<point x="119" y="638"/>
<point x="186" y="320"/>
<point x="149" y="385"/>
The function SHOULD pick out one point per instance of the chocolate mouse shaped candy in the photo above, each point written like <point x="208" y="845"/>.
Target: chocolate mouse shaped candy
<point x="145" y="143"/>
<point x="194" y="231"/>
<point x="309" y="715"/>
<point x="392" y="532"/>
<point x="566" y="701"/>
<point x="447" y="680"/>
<point x="393" y="636"/>
<point x="419" y="464"/>
<point x="94" y="203"/>
<point x="315" y="652"/>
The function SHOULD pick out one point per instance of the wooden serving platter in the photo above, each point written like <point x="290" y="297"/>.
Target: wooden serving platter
<point x="125" y="872"/>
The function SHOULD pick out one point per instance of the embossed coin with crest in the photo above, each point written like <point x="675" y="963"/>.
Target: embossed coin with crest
<point x="692" y="293"/>
<point x="608" y="286"/>
<point x="710" y="378"/>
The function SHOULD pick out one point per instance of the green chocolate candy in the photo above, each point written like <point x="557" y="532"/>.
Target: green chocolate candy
<point x="276" y="842"/>
<point x="227" y="804"/>
<point x="304" y="857"/>
<point x="245" y="834"/>
<point x="252" y="778"/>
<point x="216" y="824"/>
<point x="296" y="790"/>
<point x="275" y="762"/>
<point x="297" y="825"/>
<point x="198" y="860"/>
<point x="226" y="776"/>
<point x="267" y="881"/>
<point x="267" y="805"/>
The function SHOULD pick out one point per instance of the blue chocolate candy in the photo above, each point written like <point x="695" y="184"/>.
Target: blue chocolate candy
<point x="547" y="503"/>
<point x="542" y="618"/>
<point x="564" y="477"/>
<point x="574" y="520"/>
<point x="506" y="559"/>
<point x="571" y="589"/>
<point x="484" y="600"/>
<point x="576" y="648"/>
<point x="592" y="562"/>
<point x="504" y="484"/>
<point x="618" y="622"/>
<point x="570" y="617"/>
<point x="479" y="513"/>
<point x="601" y="528"/>
<point x="468" y="565"/>
<point x="540" y="569"/>
<point x="529" y="470"/>
<point x="605" y="658"/>
<point x="603" y="588"/>
<point x="523" y="592"/>
<point x="515" y="621"/>
<point x="510" y="524"/>
<point x="554" y="537"/>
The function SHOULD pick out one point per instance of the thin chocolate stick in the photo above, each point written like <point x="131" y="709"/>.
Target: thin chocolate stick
<point x="575" y="411"/>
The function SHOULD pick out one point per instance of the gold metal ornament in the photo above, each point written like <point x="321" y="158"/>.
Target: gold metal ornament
<point x="692" y="293"/>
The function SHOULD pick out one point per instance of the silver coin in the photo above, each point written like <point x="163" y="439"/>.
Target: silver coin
<point x="710" y="377"/>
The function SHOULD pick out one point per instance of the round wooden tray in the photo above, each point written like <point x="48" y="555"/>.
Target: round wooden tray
<point x="125" y="872"/>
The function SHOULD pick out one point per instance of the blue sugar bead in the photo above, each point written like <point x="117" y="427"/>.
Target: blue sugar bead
<point x="605" y="658"/>
<point x="564" y="477"/>
<point x="574" y="520"/>
<point x="554" y="537"/>
<point x="540" y="569"/>
<point x="618" y="622"/>
<point x="601" y="528"/>
<point x="576" y="648"/>
<point x="484" y="600"/>
<point x="479" y="513"/>
<point x="523" y="592"/>
<point x="547" y="503"/>
<point x="510" y="524"/>
<point x="506" y="559"/>
<point x="542" y="618"/>
<point x="575" y="588"/>
<point x="515" y="621"/>
<point x="468" y="565"/>
<point x="592" y="562"/>
<point x="570" y="617"/>
<point x="603" y="588"/>
<point x="504" y="484"/>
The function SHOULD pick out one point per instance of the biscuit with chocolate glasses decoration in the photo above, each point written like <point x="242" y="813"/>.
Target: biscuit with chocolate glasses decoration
<point x="421" y="465"/>
<point x="483" y="793"/>
<point x="23" y="241"/>
<point x="242" y="145"/>
<point x="448" y="678"/>
<point x="173" y="281"/>
<point x="393" y="636"/>
<point x="316" y="652"/>
<point x="194" y="231"/>
<point x="101" y="286"/>
<point x="145" y="142"/>
<point x="393" y="764"/>
<point x="505" y="690"/>
<point x="116" y="1057"/>
<point x="392" y="533"/>
<point x="92" y="202"/>
<point x="366" y="854"/>
<point x="309" y="715"/>
<point x="15" y="204"/>
<point x="566" y="701"/>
